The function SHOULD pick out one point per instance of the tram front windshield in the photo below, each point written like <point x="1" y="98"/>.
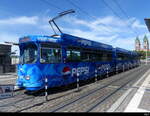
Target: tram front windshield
<point x="28" y="54"/>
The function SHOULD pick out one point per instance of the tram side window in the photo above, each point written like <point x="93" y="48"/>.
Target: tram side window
<point x="97" y="56"/>
<point x="88" y="56"/>
<point x="134" y="58"/>
<point x="104" y="56"/>
<point x="122" y="57"/>
<point x="127" y="57"/>
<point x="92" y="57"/>
<point x="76" y="56"/>
<point x="119" y="57"/>
<point x="109" y="56"/>
<point x="50" y="55"/>
<point x="28" y="54"/>
<point x="69" y="56"/>
<point x="73" y="56"/>
<point x="85" y="57"/>
<point x="100" y="56"/>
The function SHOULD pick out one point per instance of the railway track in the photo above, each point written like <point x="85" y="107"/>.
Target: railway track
<point x="78" y="100"/>
<point x="59" y="104"/>
<point x="75" y="100"/>
<point x="19" y="96"/>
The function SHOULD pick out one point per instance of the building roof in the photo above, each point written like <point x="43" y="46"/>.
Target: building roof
<point x="145" y="39"/>
<point x="4" y="44"/>
<point x="137" y="40"/>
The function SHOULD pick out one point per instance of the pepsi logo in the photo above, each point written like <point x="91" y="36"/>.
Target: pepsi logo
<point x="80" y="70"/>
<point x="66" y="71"/>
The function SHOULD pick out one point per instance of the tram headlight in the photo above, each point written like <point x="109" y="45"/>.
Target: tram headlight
<point x="27" y="77"/>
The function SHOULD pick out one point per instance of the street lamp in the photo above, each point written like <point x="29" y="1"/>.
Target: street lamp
<point x="147" y="22"/>
<point x="146" y="56"/>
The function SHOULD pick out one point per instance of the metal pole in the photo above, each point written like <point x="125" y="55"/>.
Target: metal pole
<point x="146" y="56"/>
<point x="116" y="69"/>
<point x="46" y="87"/>
<point x="123" y="68"/>
<point x="107" y="73"/>
<point x="77" y="81"/>
<point x="95" y="75"/>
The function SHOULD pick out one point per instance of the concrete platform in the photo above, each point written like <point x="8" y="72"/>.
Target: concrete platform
<point x="8" y="78"/>
<point x="136" y="98"/>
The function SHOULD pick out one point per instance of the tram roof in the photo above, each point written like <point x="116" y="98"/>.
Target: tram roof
<point x="82" y="42"/>
<point x="39" y="38"/>
<point x="135" y="53"/>
<point x="67" y="40"/>
<point x="121" y="50"/>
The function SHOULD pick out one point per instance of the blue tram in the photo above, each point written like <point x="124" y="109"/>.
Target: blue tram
<point x="61" y="58"/>
<point x="126" y="59"/>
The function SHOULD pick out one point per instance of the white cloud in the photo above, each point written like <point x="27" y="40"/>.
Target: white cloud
<point x="115" y="33"/>
<point x="7" y="37"/>
<point x="110" y="30"/>
<point x="20" y="20"/>
<point x="109" y="25"/>
<point x="126" y="43"/>
<point x="89" y="24"/>
<point x="137" y="24"/>
<point x="91" y="35"/>
<point x="114" y="40"/>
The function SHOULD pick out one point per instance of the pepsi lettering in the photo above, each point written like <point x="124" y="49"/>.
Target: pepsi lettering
<point x="80" y="70"/>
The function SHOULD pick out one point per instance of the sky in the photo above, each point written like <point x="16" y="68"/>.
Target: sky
<point x="114" y="22"/>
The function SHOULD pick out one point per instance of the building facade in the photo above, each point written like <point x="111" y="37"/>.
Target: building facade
<point x="144" y="46"/>
<point x="5" y="59"/>
<point x="137" y="44"/>
<point x="145" y="43"/>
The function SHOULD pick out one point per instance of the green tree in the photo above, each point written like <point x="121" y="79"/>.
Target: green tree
<point x="143" y="54"/>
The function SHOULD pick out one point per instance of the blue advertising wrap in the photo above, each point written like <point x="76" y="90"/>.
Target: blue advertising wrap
<point x="31" y="75"/>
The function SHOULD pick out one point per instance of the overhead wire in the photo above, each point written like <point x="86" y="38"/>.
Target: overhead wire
<point x="54" y="6"/>
<point x="115" y="13"/>
<point x="51" y="4"/>
<point x="122" y="10"/>
<point x="60" y="9"/>
<point x="73" y="4"/>
<point x="85" y="12"/>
